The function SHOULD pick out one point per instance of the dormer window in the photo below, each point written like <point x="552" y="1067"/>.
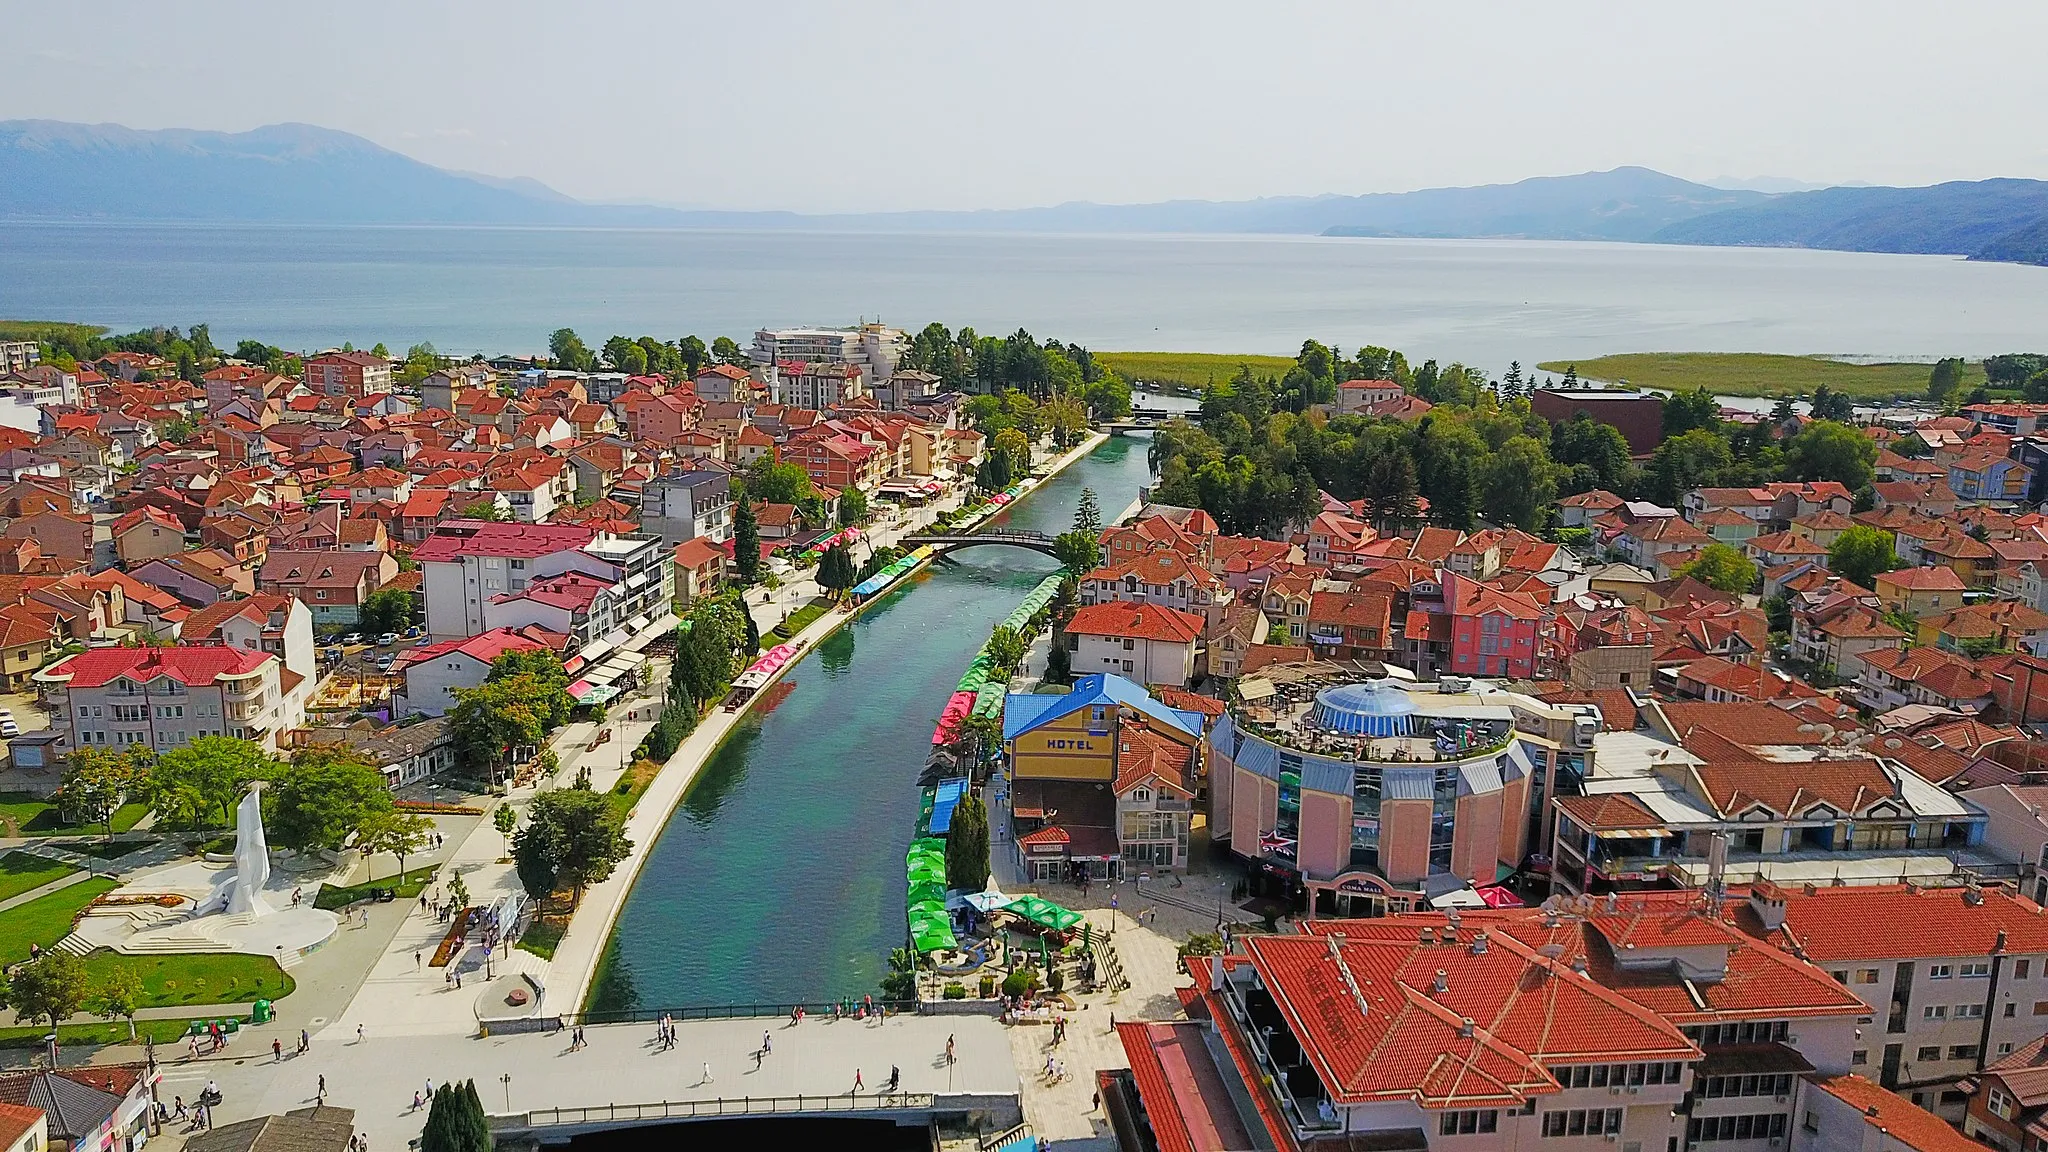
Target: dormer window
<point x="1142" y="795"/>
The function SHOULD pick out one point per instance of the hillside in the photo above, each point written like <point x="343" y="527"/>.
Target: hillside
<point x="1760" y="374"/>
<point x="1624" y="204"/>
<point x="1984" y="219"/>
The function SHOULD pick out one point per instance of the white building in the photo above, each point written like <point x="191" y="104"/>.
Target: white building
<point x="279" y="625"/>
<point x="435" y="673"/>
<point x="1148" y="643"/>
<point x="477" y="574"/>
<point x="165" y="697"/>
<point x="876" y="348"/>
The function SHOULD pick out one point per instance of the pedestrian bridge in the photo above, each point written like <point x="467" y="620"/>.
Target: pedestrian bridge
<point x="944" y="542"/>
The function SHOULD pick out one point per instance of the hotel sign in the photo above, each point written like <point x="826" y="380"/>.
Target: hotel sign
<point x="1064" y="753"/>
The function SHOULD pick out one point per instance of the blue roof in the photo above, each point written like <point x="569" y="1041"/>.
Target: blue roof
<point x="1024" y="711"/>
<point x="944" y="799"/>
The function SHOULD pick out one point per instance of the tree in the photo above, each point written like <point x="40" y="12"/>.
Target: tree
<point x="455" y="1121"/>
<point x="421" y="361"/>
<point x="746" y="542"/>
<point x="2035" y="390"/>
<point x="399" y="833"/>
<point x="1945" y="380"/>
<point x="493" y="719"/>
<point x="1013" y="445"/>
<point x="504" y="820"/>
<point x="567" y="350"/>
<point x="1088" y="515"/>
<point x="783" y="483"/>
<point x="692" y="355"/>
<point x="572" y="837"/>
<point x="484" y="509"/>
<point x="899" y="983"/>
<point x="321" y="796"/>
<point x="1826" y="450"/>
<point x="1059" y="663"/>
<point x="625" y="356"/>
<point x="853" y="507"/>
<point x="1518" y="484"/>
<point x="51" y="987"/>
<point x="1079" y="551"/>
<point x="97" y="780"/>
<point x="1687" y="411"/>
<point x="704" y="649"/>
<point x="967" y="845"/>
<point x="1005" y="648"/>
<point x="1724" y="568"/>
<point x="1829" y="404"/>
<point x="1861" y="552"/>
<point x="205" y="778"/>
<point x="725" y="351"/>
<point x="1108" y="398"/>
<point x="1682" y="463"/>
<point x="117" y="993"/>
<point x="1600" y="449"/>
<point x="836" y="572"/>
<point x="386" y="610"/>
<point x="2013" y="369"/>
<point x="993" y="473"/>
<point x="1390" y="492"/>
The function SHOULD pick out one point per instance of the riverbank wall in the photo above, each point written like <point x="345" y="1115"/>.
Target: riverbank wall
<point x="580" y="954"/>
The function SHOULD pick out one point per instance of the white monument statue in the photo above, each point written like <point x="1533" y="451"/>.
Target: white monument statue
<point x="252" y="856"/>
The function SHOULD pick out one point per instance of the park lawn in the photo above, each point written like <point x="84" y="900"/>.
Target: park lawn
<point x="1194" y="370"/>
<point x="631" y="786"/>
<point x="104" y="849"/>
<point x="197" y="978"/>
<point x="544" y="936"/>
<point x="799" y="620"/>
<point x="1761" y="374"/>
<point x="96" y="1033"/>
<point x="46" y="919"/>
<point x="34" y="816"/>
<point x="21" y="872"/>
<point x="334" y="896"/>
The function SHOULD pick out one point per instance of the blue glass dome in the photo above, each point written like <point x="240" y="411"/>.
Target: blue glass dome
<point x="1378" y="708"/>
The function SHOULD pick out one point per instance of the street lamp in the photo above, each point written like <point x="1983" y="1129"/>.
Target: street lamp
<point x="506" y="1080"/>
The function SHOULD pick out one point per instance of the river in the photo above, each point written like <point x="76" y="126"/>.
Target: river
<point x="780" y="876"/>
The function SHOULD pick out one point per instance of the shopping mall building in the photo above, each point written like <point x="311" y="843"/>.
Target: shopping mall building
<point x="1370" y="796"/>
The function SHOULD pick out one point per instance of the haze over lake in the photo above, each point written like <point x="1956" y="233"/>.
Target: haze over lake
<point x="1484" y="302"/>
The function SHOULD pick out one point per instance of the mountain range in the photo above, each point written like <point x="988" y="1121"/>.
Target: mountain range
<point x="303" y="174"/>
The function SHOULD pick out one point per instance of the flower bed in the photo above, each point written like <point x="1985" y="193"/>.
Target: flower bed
<point x="436" y="807"/>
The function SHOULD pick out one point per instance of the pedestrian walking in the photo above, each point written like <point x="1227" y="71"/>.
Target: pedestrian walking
<point x="323" y="1084"/>
<point x="949" y="1049"/>
<point x="707" y="1073"/>
<point x="895" y="1077"/>
<point x="359" y="1033"/>
<point x="416" y="965"/>
<point x="767" y="1045"/>
<point x="305" y="1040"/>
<point x="856" y="1080"/>
<point x="277" y="1051"/>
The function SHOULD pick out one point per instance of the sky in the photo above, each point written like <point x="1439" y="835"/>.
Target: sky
<point x="877" y="105"/>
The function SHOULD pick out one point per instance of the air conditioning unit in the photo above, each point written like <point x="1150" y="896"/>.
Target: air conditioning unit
<point x="1634" y="1088"/>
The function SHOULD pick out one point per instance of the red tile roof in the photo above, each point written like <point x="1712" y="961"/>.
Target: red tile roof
<point x="458" y="538"/>
<point x="1902" y="1121"/>
<point x="1895" y="922"/>
<point x="191" y="666"/>
<point x="1186" y="1098"/>
<point x="1137" y="621"/>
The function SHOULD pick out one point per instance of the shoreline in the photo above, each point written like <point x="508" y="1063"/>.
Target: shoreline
<point x="580" y="953"/>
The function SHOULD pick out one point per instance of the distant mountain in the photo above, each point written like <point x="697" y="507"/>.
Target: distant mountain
<point x="1983" y="219"/>
<point x="302" y="174"/>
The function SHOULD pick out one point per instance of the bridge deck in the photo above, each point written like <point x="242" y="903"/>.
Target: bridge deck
<point x="620" y="1064"/>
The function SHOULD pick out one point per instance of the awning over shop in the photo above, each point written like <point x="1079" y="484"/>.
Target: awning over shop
<point x="592" y="694"/>
<point x="944" y="800"/>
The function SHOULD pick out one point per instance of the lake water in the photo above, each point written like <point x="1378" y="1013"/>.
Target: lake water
<point x="1485" y="302"/>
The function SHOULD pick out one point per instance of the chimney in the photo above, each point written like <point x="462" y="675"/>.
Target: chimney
<point x="1479" y="942"/>
<point x="1579" y="965"/>
<point x="1998" y="949"/>
<point x="1426" y="936"/>
<point x="1465" y="1027"/>
<point x="1443" y="982"/>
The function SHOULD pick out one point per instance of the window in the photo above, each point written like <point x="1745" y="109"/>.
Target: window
<point x="1469" y="1122"/>
<point x="2011" y="1010"/>
<point x="1939" y="972"/>
<point x="1866" y="975"/>
<point x="1709" y="1129"/>
<point x="1860" y="1056"/>
<point x="1934" y="1012"/>
<point x="1130" y="644"/>
<point x="2020" y="968"/>
<point x="1928" y="1052"/>
<point x="1999" y="1104"/>
<point x="2041" y="1007"/>
<point x="1962" y="1051"/>
<point x="1969" y="1012"/>
<point x="1809" y="1122"/>
<point x="1976" y="968"/>
<point x="1582" y="1122"/>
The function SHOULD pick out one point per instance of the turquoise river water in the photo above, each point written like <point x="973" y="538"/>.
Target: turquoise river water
<point x="780" y="876"/>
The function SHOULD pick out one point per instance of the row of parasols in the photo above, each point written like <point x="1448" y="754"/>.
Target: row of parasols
<point x="890" y="574"/>
<point x="978" y="693"/>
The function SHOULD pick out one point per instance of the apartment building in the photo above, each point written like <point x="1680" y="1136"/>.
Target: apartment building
<point x="688" y="504"/>
<point x="1151" y="644"/>
<point x="165" y="697"/>
<point x="351" y="374"/>
<point x="875" y="348"/>
<point x="478" y="575"/>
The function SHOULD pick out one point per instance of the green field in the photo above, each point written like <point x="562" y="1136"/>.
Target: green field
<point x="43" y="329"/>
<point x="1761" y="374"/>
<point x="197" y="978"/>
<point x="1195" y="370"/>
<point x="30" y="815"/>
<point x="46" y="919"/>
<point x="97" y="1033"/>
<point x="21" y="872"/>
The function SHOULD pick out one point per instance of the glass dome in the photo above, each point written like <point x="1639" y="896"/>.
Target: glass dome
<point x="1377" y="708"/>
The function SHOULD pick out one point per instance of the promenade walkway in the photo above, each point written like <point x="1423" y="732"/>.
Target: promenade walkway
<point x="622" y="1064"/>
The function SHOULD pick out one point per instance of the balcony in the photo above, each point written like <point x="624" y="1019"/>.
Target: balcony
<point x="1266" y="1035"/>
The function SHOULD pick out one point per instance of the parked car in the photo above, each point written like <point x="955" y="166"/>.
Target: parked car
<point x="413" y="631"/>
<point x="423" y="641"/>
<point x="352" y="639"/>
<point x="9" y="729"/>
<point x="385" y="661"/>
<point x="387" y="640"/>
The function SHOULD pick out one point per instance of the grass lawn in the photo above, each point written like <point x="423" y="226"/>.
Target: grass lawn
<point x="97" y="1032"/>
<point x="197" y="978"/>
<point x="1761" y="374"/>
<point x="31" y="815"/>
<point x="334" y="896"/>
<point x="799" y="620"/>
<point x="21" y="872"/>
<point x="104" y="849"/>
<point x="46" y="919"/>
<point x="544" y="937"/>
<point x="631" y="786"/>
<point x="1188" y="369"/>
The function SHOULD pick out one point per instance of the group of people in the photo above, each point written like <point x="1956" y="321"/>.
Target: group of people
<point x="216" y="1041"/>
<point x="664" y="1034"/>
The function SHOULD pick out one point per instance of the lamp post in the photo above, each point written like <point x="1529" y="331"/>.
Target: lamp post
<point x="506" y="1080"/>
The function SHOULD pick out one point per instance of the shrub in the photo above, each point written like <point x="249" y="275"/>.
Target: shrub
<point x="988" y="987"/>
<point x="956" y="991"/>
<point x="1022" y="982"/>
<point x="1056" y="980"/>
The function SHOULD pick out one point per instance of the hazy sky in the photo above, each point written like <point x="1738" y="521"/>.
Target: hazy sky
<point x="966" y="104"/>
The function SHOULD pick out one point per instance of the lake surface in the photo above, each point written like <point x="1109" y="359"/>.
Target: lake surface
<point x="780" y="876"/>
<point x="1484" y="302"/>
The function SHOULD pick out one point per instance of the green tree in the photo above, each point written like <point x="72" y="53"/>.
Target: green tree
<point x="1692" y="460"/>
<point x="1059" y="663"/>
<point x="399" y="834"/>
<point x="567" y="350"/>
<point x="625" y="356"/>
<point x="51" y="987"/>
<point x="836" y="572"/>
<point x="1013" y="445"/>
<point x="899" y="983"/>
<point x="993" y="473"/>
<point x="421" y="361"/>
<point x="705" y="643"/>
<point x="1826" y="450"/>
<point x="1945" y="380"/>
<point x="1687" y="411"/>
<point x="504" y="820"/>
<point x="1833" y="406"/>
<point x="204" y="779"/>
<point x="572" y="837"/>
<point x="694" y="357"/>
<point x="746" y="541"/>
<point x="1599" y="449"/>
<point x="117" y="994"/>
<point x="1390" y="492"/>
<point x="1518" y="484"/>
<point x="967" y="845"/>
<point x="783" y="483"/>
<point x="492" y="720"/>
<point x="455" y="1121"/>
<point x="725" y="351"/>
<point x="1088" y="514"/>
<point x="484" y="509"/>
<point x="1079" y="551"/>
<point x="1861" y="552"/>
<point x="322" y="795"/>
<point x="1005" y="648"/>
<point x="386" y="610"/>
<point x="1724" y="568"/>
<point x="1108" y="398"/>
<point x="853" y="508"/>
<point x="97" y="780"/>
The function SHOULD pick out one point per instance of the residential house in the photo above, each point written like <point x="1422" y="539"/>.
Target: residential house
<point x="1228" y="641"/>
<point x="1161" y="576"/>
<point x="1920" y="591"/>
<point x="1779" y="548"/>
<point x="699" y="568"/>
<point x="1147" y="642"/>
<point x="435" y="674"/>
<point x="1839" y="632"/>
<point x="1999" y="625"/>
<point x="475" y="570"/>
<point x="1895" y="677"/>
<point x="279" y="625"/>
<point x="352" y="374"/>
<point x="1988" y="476"/>
<point x="164" y="698"/>
<point x="334" y="584"/>
<point x="686" y="503"/>
<point x="1352" y="625"/>
<point x="1493" y="633"/>
<point x="87" y="1108"/>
